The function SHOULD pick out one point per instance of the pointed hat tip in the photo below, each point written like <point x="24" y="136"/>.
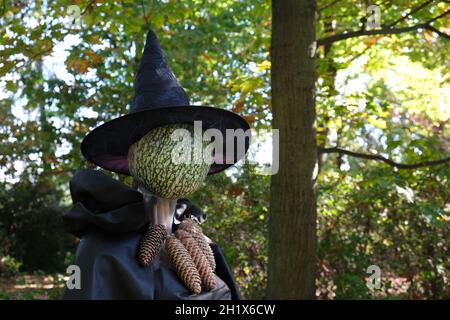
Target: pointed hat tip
<point x="155" y="84"/>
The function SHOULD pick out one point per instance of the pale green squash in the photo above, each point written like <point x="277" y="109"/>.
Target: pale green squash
<point x="156" y="166"/>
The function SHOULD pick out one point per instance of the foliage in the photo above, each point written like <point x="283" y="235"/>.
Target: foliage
<point x="32" y="287"/>
<point x="384" y="94"/>
<point x="31" y="226"/>
<point x="9" y="266"/>
<point x="360" y="227"/>
<point x="237" y="213"/>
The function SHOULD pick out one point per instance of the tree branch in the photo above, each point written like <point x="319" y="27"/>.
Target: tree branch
<point x="354" y="34"/>
<point x="330" y="4"/>
<point x="413" y="10"/>
<point x="147" y="23"/>
<point x="443" y="14"/>
<point x="3" y="8"/>
<point x="440" y="33"/>
<point x="382" y="31"/>
<point x="87" y="7"/>
<point x="378" y="157"/>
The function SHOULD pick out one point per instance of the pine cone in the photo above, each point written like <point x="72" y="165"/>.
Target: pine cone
<point x="190" y="226"/>
<point x="206" y="249"/>
<point x="200" y="260"/>
<point x="151" y="243"/>
<point x="196" y="232"/>
<point x="184" y="266"/>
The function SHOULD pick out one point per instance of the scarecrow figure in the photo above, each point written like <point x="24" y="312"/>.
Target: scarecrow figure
<point x="146" y="242"/>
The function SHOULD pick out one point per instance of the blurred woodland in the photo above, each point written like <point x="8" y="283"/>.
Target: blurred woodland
<point x="382" y="118"/>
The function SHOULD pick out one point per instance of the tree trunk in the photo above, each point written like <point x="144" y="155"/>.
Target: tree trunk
<point x="292" y="231"/>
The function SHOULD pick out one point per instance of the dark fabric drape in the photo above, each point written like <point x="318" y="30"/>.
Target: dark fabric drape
<point x="110" y="219"/>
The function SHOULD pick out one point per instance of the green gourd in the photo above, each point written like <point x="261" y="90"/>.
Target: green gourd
<point x="170" y="164"/>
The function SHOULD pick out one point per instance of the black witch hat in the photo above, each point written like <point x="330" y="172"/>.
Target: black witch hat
<point x="159" y="100"/>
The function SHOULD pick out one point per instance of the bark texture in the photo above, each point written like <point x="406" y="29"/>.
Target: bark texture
<point x="292" y="231"/>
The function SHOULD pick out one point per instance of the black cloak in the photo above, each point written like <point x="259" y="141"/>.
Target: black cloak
<point x="110" y="218"/>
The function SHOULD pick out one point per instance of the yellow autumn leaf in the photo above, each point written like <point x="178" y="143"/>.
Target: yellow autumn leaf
<point x="246" y="271"/>
<point x="263" y="66"/>
<point x="378" y="123"/>
<point x="246" y="86"/>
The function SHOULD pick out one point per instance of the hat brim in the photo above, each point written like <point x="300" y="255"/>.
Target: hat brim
<point x="107" y="145"/>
